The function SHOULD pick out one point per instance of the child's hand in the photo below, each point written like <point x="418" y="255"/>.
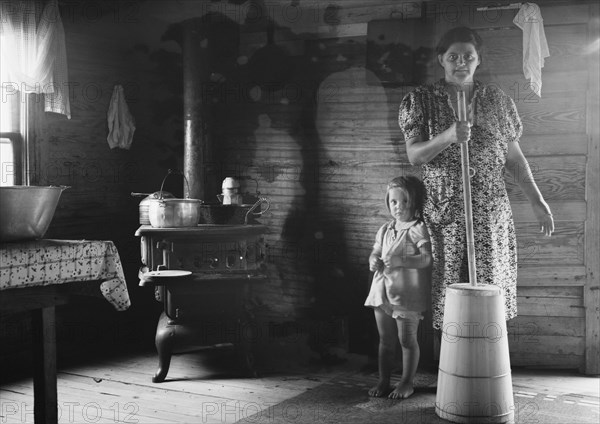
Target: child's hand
<point x="375" y="263"/>
<point x="393" y="261"/>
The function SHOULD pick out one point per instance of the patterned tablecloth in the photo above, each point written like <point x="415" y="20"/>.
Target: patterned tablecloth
<point x="46" y="262"/>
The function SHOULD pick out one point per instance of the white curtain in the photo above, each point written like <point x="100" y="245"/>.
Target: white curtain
<point x="33" y="54"/>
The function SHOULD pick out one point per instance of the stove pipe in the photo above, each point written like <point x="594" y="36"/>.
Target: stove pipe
<point x="196" y="131"/>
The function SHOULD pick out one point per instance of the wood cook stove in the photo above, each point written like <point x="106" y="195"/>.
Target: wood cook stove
<point x="208" y="307"/>
<point x="205" y="308"/>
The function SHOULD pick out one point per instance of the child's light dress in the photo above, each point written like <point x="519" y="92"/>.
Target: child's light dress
<point x="401" y="292"/>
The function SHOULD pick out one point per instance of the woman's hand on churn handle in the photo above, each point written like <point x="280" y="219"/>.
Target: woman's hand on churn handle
<point x="459" y="132"/>
<point x="463" y="131"/>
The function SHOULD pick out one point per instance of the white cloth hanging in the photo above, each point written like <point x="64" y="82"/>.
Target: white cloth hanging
<point x="58" y="101"/>
<point x="535" y="46"/>
<point x="33" y="53"/>
<point x="121" y="124"/>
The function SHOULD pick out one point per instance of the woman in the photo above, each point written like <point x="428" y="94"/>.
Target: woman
<point x="428" y="119"/>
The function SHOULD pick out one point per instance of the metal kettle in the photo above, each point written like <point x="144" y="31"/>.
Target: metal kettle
<point x="144" y="207"/>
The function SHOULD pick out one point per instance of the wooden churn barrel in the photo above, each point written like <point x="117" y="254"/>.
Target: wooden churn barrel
<point x="474" y="377"/>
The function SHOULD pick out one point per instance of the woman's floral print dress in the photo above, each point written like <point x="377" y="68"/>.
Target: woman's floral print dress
<point x="427" y="112"/>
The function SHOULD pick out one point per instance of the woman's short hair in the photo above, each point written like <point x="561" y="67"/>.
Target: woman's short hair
<point x="459" y="35"/>
<point x="415" y="189"/>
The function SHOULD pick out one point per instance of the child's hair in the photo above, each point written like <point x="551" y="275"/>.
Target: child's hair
<point x="415" y="189"/>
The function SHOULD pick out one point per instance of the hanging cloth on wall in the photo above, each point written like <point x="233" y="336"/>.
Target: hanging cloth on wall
<point x="535" y="46"/>
<point x="34" y="56"/>
<point x="121" y="124"/>
<point x="58" y="100"/>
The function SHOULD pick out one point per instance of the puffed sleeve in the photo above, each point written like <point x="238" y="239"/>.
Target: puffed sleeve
<point x="420" y="234"/>
<point x="410" y="116"/>
<point x="514" y="126"/>
<point x="497" y="112"/>
<point x="378" y="246"/>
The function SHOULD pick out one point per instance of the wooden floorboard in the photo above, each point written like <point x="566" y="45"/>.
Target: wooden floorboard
<point x="200" y="387"/>
<point x="206" y="387"/>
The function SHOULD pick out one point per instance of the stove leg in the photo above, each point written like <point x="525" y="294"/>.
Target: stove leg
<point x="164" y="340"/>
<point x="245" y="350"/>
<point x="246" y="360"/>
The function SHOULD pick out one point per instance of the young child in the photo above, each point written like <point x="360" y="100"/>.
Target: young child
<point x="400" y="291"/>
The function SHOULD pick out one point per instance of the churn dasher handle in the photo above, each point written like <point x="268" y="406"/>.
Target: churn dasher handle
<point x="464" y="152"/>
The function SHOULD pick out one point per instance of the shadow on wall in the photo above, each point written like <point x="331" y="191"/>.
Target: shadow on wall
<point x="263" y="114"/>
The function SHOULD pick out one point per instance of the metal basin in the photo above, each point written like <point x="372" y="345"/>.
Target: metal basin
<point x="26" y="211"/>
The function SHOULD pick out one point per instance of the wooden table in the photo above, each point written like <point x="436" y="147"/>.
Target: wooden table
<point x="39" y="275"/>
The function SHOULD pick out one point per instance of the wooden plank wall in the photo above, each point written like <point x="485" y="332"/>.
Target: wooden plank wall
<point x="322" y="146"/>
<point x="112" y="43"/>
<point x="324" y="161"/>
<point x="592" y="234"/>
<point x="105" y="47"/>
<point x="550" y="328"/>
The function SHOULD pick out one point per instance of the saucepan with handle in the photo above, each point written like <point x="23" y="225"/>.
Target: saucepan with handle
<point x="173" y="212"/>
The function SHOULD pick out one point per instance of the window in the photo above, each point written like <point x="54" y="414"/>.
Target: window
<point x="10" y="153"/>
<point x="33" y="61"/>
<point x="12" y="159"/>
<point x="11" y="140"/>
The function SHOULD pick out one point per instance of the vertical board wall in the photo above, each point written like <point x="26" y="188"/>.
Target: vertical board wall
<point x="323" y="146"/>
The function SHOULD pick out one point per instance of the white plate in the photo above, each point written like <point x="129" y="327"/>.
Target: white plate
<point x="157" y="277"/>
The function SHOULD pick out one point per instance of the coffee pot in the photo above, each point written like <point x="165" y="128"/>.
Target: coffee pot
<point x="230" y="192"/>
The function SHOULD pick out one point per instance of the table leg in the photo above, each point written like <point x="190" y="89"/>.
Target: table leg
<point x="44" y="366"/>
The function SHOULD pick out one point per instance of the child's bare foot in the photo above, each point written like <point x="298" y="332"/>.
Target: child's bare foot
<point x="402" y="390"/>
<point x="382" y="389"/>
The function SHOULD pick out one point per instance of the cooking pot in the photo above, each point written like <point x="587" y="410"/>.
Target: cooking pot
<point x="172" y="212"/>
<point x="168" y="213"/>
<point x="146" y="201"/>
